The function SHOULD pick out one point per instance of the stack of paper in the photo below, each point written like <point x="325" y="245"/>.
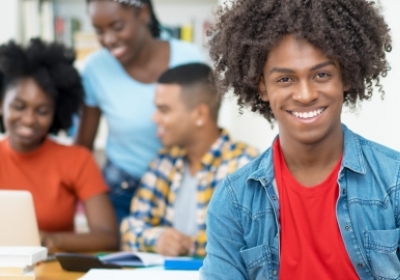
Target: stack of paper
<point x="148" y="274"/>
<point x="17" y="263"/>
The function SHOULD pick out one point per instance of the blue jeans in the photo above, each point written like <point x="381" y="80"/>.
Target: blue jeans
<point x="122" y="189"/>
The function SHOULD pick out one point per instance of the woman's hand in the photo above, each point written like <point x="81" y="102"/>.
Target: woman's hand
<point x="50" y="241"/>
<point x="103" y="234"/>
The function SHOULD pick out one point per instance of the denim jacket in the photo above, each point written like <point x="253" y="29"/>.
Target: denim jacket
<point x="243" y="222"/>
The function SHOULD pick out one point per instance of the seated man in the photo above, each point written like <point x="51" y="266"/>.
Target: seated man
<point x="168" y="211"/>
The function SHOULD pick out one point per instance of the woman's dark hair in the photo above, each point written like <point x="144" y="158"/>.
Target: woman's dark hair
<point x="154" y="25"/>
<point x="51" y="66"/>
<point x="351" y="31"/>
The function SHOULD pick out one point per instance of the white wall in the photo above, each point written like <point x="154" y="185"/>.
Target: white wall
<point x="178" y="13"/>
<point x="378" y="120"/>
<point x="10" y="26"/>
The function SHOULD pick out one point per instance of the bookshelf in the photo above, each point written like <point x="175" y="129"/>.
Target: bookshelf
<point x="67" y="22"/>
<point x="172" y="14"/>
<point x="36" y="19"/>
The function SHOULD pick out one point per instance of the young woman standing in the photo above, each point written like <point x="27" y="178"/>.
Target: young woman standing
<point x="119" y="81"/>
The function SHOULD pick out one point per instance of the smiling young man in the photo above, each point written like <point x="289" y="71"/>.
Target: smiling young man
<point x="168" y="212"/>
<point x="322" y="202"/>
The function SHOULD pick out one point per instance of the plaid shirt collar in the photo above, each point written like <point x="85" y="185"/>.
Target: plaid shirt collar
<point x="216" y="151"/>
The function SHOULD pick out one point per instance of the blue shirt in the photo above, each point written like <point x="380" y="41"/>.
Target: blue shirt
<point x="128" y="106"/>
<point x="243" y="223"/>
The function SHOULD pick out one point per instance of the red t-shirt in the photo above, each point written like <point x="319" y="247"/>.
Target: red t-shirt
<point x="311" y="243"/>
<point x="56" y="175"/>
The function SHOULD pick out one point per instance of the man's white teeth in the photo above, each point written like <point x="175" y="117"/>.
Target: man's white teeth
<point x="307" y="115"/>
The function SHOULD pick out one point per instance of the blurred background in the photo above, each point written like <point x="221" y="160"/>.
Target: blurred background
<point x="66" y="21"/>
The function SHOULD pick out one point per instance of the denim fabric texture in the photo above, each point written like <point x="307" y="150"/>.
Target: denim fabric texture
<point x="122" y="189"/>
<point x="242" y="220"/>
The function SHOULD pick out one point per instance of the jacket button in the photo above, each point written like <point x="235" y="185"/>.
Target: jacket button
<point x="275" y="272"/>
<point x="360" y="265"/>
<point x="347" y="227"/>
<point x="124" y="185"/>
<point x="264" y="180"/>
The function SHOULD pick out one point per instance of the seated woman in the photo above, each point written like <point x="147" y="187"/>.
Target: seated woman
<point x="40" y="92"/>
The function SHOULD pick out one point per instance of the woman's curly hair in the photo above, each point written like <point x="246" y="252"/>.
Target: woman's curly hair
<point x="351" y="31"/>
<point x="51" y="66"/>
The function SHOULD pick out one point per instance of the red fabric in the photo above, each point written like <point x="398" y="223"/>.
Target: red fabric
<point x="311" y="243"/>
<point x="56" y="175"/>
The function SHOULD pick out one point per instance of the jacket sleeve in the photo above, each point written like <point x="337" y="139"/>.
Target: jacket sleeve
<point x="141" y="229"/>
<point x="224" y="237"/>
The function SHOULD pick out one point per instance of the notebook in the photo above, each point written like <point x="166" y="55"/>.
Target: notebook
<point x="18" y="219"/>
<point x="133" y="259"/>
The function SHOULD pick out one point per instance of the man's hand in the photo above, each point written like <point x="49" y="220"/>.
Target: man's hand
<point x="173" y="243"/>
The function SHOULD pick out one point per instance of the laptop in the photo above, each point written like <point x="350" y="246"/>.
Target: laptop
<point x="18" y="225"/>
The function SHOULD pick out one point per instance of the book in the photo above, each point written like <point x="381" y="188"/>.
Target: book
<point x="133" y="259"/>
<point x="26" y="276"/>
<point x="65" y="29"/>
<point x="187" y="33"/>
<point x="174" y="31"/>
<point x="15" y="270"/>
<point x="21" y="255"/>
<point x="148" y="274"/>
<point x="182" y="263"/>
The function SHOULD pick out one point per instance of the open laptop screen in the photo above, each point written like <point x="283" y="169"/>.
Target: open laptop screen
<point x="18" y="225"/>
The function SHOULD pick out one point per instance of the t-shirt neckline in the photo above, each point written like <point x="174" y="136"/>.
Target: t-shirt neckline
<point x="29" y="154"/>
<point x="290" y="181"/>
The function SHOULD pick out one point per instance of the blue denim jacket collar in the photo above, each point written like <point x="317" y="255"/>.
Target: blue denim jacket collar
<point x="352" y="159"/>
<point x="352" y="154"/>
<point x="265" y="171"/>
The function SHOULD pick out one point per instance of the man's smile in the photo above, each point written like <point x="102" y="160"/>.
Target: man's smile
<point x="307" y="114"/>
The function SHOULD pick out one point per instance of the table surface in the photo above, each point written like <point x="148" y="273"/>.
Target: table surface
<point x="52" y="271"/>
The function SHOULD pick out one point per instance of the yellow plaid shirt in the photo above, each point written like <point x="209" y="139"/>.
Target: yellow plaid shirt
<point x="152" y="208"/>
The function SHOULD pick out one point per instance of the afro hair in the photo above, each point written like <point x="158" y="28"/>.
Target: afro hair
<point x="351" y="31"/>
<point x="51" y="66"/>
